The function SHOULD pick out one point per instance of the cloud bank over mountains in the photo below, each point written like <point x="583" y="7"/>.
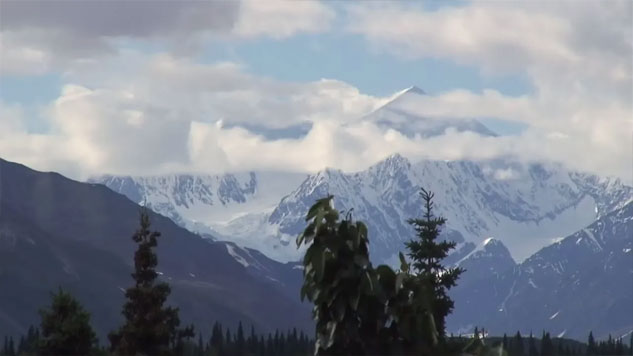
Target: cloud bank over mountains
<point x="138" y="95"/>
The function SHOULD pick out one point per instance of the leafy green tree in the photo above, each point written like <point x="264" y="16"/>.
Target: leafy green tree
<point x="66" y="327"/>
<point x="339" y="280"/>
<point x="150" y="328"/>
<point x="427" y="253"/>
<point x="359" y="309"/>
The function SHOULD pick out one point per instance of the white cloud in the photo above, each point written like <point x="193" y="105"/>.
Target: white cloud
<point x="576" y="55"/>
<point x="280" y="19"/>
<point x="43" y="35"/>
<point x="135" y="113"/>
<point x="161" y="114"/>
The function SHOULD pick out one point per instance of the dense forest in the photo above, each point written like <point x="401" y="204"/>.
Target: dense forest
<point x="359" y="308"/>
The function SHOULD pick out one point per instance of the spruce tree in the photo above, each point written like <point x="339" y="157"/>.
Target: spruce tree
<point x="240" y="342"/>
<point x="517" y="347"/>
<point x="547" y="348"/>
<point x="591" y="345"/>
<point x="150" y="328"/>
<point x="66" y="327"/>
<point x="217" y="339"/>
<point x="252" y="341"/>
<point x="532" y="351"/>
<point x="8" y="348"/>
<point x="427" y="253"/>
<point x="200" y="348"/>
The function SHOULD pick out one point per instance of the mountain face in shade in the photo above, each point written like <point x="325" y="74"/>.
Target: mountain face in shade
<point x="55" y="232"/>
<point x="580" y="283"/>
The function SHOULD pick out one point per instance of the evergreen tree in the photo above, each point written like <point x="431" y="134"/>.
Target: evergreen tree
<point x="217" y="339"/>
<point x="66" y="327"/>
<point x="8" y="348"/>
<point x="240" y="342"/>
<point x="560" y="349"/>
<point x="517" y="345"/>
<point x="270" y="347"/>
<point x="591" y="345"/>
<point x="29" y="344"/>
<point x="532" y="351"/>
<point x="228" y="343"/>
<point x="252" y="341"/>
<point x="149" y="328"/>
<point x="547" y="348"/>
<point x="619" y="347"/>
<point x="261" y="346"/>
<point x="427" y="254"/>
<point x="200" y="349"/>
<point x="504" y="342"/>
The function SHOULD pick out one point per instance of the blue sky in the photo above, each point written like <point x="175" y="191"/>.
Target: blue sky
<point x="79" y="84"/>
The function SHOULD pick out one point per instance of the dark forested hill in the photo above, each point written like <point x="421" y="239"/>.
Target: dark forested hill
<point x="56" y="232"/>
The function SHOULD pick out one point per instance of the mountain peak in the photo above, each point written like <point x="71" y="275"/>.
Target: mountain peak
<point x="392" y="163"/>
<point x="410" y="91"/>
<point x="414" y="90"/>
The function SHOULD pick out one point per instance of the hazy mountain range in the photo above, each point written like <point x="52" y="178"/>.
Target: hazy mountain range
<point x="544" y="247"/>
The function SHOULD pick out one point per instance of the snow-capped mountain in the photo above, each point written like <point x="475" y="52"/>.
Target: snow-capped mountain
<point x="402" y="113"/>
<point x="525" y="206"/>
<point x="582" y="282"/>
<point x="491" y="257"/>
<point x="199" y="201"/>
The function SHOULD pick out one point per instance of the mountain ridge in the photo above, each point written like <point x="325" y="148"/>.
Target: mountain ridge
<point x="58" y="232"/>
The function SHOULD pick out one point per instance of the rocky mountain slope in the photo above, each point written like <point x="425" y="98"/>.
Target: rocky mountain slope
<point x="580" y="283"/>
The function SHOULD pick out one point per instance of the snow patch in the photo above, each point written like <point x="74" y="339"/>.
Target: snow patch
<point x="236" y="256"/>
<point x="592" y="237"/>
<point x="532" y="283"/>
